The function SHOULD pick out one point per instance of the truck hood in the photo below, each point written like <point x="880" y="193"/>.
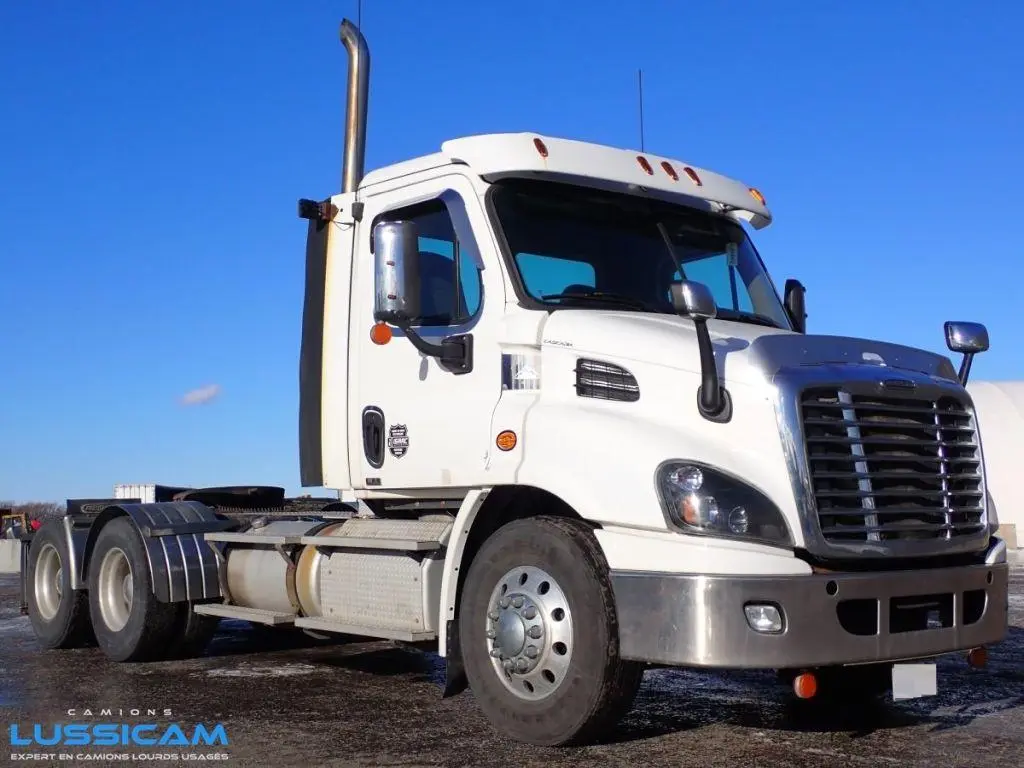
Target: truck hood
<point x="745" y="353"/>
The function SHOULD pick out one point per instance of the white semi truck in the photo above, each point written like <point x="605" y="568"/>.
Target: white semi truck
<point x="589" y="438"/>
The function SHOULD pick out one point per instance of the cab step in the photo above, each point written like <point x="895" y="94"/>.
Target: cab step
<point x="385" y="633"/>
<point x="361" y="542"/>
<point x="256" y="615"/>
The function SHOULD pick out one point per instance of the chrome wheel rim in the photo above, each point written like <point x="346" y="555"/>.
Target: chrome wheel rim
<point x="116" y="589"/>
<point x="47" y="583"/>
<point x="529" y="633"/>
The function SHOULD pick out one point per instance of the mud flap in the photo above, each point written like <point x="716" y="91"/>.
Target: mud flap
<point x="455" y="680"/>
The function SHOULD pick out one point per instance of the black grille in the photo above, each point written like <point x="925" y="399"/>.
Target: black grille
<point x="605" y="381"/>
<point x="890" y="468"/>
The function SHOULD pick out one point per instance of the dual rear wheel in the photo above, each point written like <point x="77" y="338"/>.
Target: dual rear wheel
<point x="119" y="611"/>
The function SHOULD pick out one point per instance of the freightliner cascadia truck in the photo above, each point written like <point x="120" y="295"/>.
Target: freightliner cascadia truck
<point x="588" y="437"/>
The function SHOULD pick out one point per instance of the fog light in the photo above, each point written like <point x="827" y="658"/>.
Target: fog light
<point x="763" y="618"/>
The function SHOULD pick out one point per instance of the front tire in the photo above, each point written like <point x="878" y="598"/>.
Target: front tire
<point x="129" y="622"/>
<point x="540" y="635"/>
<point x="59" y="616"/>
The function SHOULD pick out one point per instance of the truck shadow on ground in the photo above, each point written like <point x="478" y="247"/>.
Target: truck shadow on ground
<point x="678" y="700"/>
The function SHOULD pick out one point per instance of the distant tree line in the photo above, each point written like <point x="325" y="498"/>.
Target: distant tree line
<point x="33" y="510"/>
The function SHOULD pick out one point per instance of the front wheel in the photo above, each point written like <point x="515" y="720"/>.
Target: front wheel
<point x="540" y="634"/>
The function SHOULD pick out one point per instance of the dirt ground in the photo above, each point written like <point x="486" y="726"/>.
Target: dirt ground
<point x="371" y="704"/>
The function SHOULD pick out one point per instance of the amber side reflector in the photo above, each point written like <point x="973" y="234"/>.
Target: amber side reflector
<point x="667" y="167"/>
<point x="380" y="333"/>
<point x="542" y="148"/>
<point x="506" y="440"/>
<point x="977" y="657"/>
<point x="645" y="165"/>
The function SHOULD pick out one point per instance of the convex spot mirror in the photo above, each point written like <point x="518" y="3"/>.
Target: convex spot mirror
<point x="693" y="299"/>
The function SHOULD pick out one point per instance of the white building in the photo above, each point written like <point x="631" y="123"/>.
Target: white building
<point x="1000" y="407"/>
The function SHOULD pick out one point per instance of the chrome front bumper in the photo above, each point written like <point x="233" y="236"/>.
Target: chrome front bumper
<point x="833" y="618"/>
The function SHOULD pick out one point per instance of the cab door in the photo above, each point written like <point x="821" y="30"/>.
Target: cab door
<point x="420" y="425"/>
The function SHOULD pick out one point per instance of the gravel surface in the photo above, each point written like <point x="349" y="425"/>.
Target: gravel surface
<point x="286" y="703"/>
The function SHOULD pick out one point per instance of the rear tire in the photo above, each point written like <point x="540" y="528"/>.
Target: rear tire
<point x="540" y="637"/>
<point x="129" y="622"/>
<point x="59" y="616"/>
<point x="193" y="633"/>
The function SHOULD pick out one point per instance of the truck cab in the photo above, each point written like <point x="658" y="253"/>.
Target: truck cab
<point x="589" y="436"/>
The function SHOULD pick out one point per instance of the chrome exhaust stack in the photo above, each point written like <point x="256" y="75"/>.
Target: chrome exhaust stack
<point x="357" y="94"/>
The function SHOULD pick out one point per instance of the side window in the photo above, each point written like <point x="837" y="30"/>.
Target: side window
<point x="548" y="275"/>
<point x="450" y="282"/>
<point x="719" y="273"/>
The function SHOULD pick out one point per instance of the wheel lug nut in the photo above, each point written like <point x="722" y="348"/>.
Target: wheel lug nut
<point x="504" y="602"/>
<point x="493" y="615"/>
<point x="535" y="632"/>
<point x="496" y="653"/>
<point x="530" y="613"/>
<point x="491" y="634"/>
<point x="521" y="665"/>
<point x="517" y="602"/>
<point x="532" y="652"/>
<point x="507" y="665"/>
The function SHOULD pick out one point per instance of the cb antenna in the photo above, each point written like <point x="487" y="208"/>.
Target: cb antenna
<point x="640" y="90"/>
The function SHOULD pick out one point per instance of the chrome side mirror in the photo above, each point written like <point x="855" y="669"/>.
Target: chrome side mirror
<point x="396" y="273"/>
<point x="693" y="299"/>
<point x="968" y="338"/>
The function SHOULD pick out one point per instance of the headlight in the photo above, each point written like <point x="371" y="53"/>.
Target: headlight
<point x="702" y="500"/>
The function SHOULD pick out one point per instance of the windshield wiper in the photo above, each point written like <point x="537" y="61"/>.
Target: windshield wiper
<point x="602" y="296"/>
<point x="753" y="318"/>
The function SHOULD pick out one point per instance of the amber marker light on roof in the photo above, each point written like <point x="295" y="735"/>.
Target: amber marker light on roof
<point x="542" y="148"/>
<point x="667" y="167"/>
<point x="645" y="165"/>
<point x="756" y="194"/>
<point x="693" y="176"/>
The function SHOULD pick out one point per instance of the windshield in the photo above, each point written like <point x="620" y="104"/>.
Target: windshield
<point x="578" y="247"/>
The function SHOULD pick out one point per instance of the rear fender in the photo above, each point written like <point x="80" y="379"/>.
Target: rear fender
<point x="182" y="565"/>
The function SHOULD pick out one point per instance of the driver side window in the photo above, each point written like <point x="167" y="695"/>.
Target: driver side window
<point x="450" y="281"/>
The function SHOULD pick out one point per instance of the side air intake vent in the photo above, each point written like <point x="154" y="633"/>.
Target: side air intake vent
<point x="605" y="381"/>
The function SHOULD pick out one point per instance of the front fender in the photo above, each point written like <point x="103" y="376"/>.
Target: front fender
<point x="601" y="457"/>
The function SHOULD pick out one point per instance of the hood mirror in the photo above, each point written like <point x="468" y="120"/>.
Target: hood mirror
<point x="695" y="300"/>
<point x="968" y="338"/>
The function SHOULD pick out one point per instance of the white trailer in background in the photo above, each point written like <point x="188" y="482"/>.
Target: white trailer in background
<point x="590" y="437"/>
<point x="1000" y="406"/>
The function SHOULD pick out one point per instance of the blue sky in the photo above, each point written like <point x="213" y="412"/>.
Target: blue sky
<point x="151" y="155"/>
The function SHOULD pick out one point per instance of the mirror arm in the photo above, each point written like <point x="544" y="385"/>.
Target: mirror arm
<point x="965" y="367"/>
<point x="713" y="401"/>
<point x="454" y="353"/>
<point x="428" y="349"/>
